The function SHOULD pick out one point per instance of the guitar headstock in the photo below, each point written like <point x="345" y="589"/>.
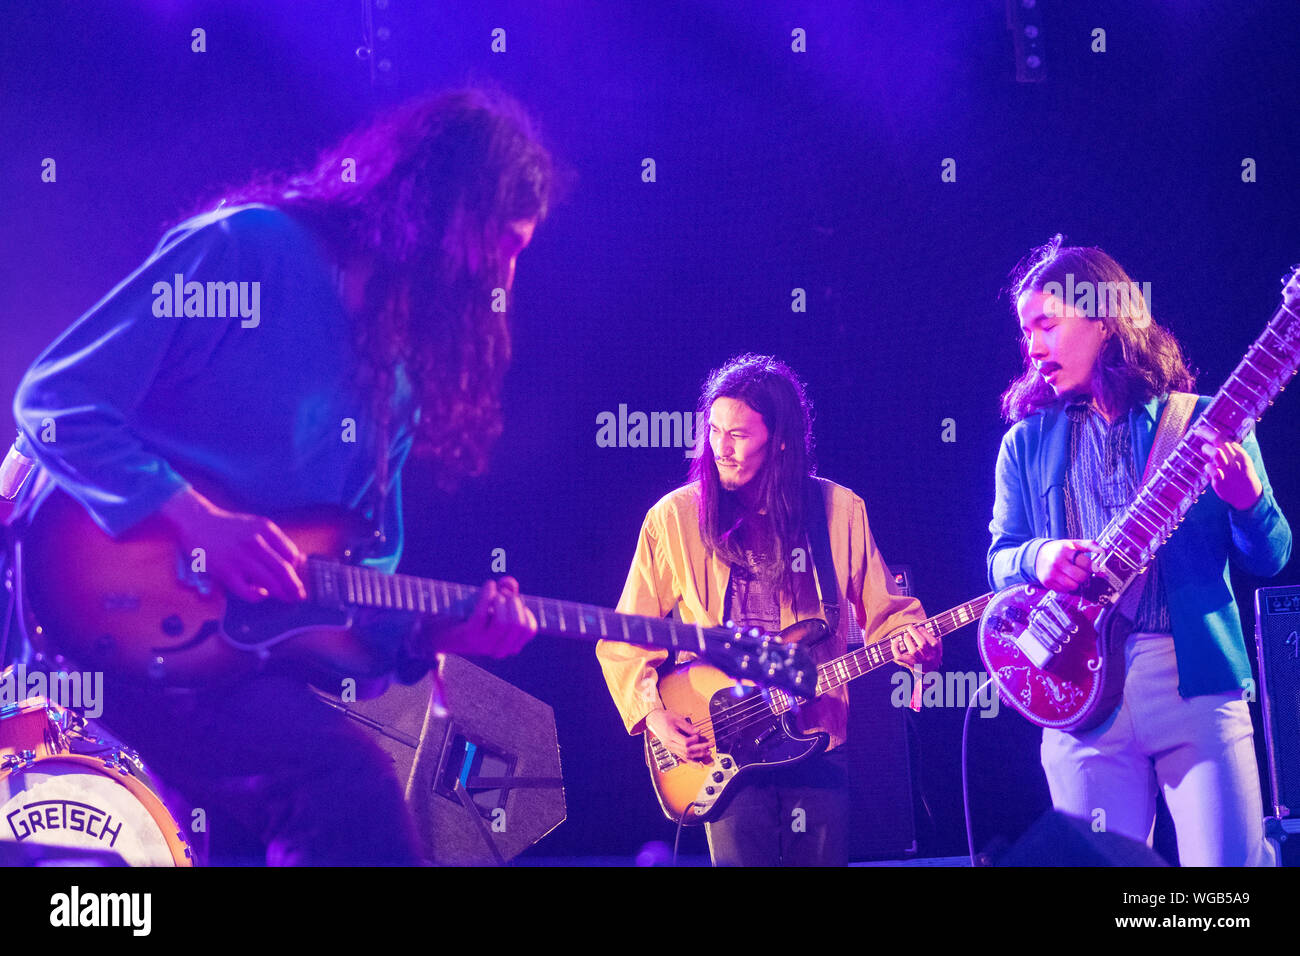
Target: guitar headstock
<point x="1291" y="287"/>
<point x="1287" y="321"/>
<point x="762" y="658"/>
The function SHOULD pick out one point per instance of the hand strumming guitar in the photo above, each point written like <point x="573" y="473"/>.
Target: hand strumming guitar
<point x="676" y="732"/>
<point x="1065" y="563"/>
<point x="254" y="559"/>
<point x="249" y="555"/>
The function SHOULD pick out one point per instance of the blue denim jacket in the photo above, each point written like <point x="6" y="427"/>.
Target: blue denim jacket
<point x="1030" y="511"/>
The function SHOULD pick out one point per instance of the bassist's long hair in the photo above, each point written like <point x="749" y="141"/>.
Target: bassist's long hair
<point x="771" y="388"/>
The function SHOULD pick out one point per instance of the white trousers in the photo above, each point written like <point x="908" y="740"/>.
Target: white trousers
<point x="1199" y="750"/>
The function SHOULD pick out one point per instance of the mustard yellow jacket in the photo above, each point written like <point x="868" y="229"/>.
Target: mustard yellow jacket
<point x="672" y="569"/>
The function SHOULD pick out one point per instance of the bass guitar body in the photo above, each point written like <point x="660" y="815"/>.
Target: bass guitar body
<point x="745" y="733"/>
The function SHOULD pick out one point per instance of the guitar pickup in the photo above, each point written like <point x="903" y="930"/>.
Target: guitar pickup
<point x="1039" y="655"/>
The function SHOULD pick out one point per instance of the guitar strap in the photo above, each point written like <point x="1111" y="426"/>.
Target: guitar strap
<point x="819" y="539"/>
<point x="1174" y="421"/>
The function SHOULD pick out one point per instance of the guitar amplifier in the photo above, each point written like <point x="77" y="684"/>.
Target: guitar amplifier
<point x="1277" y="647"/>
<point x="882" y="821"/>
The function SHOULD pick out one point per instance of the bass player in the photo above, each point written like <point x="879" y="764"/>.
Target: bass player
<point x="723" y="548"/>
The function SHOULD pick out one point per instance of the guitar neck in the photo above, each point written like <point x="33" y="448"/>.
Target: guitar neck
<point x="336" y="584"/>
<point x="1131" y="541"/>
<point x="869" y="657"/>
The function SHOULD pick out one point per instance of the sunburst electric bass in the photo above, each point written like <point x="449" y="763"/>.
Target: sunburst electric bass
<point x="132" y="607"/>
<point x="749" y="728"/>
<point x="1058" y="658"/>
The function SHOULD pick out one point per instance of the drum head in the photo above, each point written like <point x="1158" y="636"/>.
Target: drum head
<point x="77" y="802"/>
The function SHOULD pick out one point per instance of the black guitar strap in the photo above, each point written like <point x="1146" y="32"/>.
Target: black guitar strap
<point x="819" y="539"/>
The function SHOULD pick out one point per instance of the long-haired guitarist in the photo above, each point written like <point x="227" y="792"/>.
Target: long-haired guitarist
<point x="292" y="347"/>
<point x="1097" y="378"/>
<point x="733" y="544"/>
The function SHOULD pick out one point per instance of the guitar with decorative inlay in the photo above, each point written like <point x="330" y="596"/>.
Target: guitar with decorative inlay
<point x="1058" y="658"/>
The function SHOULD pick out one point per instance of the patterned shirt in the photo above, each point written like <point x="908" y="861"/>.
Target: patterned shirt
<point x="754" y="600"/>
<point x="1099" y="485"/>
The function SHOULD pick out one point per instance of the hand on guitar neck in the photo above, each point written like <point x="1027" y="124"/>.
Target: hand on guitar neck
<point x="499" y="626"/>
<point x="1232" y="474"/>
<point x="253" y="559"/>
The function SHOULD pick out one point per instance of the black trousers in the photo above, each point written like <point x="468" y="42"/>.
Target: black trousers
<point x="278" y="775"/>
<point x="790" y="817"/>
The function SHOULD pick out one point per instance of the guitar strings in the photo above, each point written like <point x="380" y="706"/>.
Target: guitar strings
<point x="758" y="707"/>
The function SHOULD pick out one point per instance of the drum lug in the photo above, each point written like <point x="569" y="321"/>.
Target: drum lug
<point x="10" y="761"/>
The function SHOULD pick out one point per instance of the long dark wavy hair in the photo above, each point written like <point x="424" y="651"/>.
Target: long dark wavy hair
<point x="433" y="176"/>
<point x="771" y="388"/>
<point x="1139" y="359"/>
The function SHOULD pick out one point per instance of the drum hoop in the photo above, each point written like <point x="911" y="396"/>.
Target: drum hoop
<point x="166" y="823"/>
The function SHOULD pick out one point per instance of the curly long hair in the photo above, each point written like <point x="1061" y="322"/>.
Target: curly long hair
<point x="1139" y="360"/>
<point x="771" y="388"/>
<point x="434" y="177"/>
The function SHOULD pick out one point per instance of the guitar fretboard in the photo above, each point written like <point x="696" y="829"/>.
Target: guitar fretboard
<point x="1132" y="540"/>
<point x="868" y="658"/>
<point x="335" y="584"/>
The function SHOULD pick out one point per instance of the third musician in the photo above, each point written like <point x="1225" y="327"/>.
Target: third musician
<point x="1085" y="412"/>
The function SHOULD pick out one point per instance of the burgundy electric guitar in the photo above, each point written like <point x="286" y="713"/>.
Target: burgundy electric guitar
<point x="133" y="607"/>
<point x="1058" y="658"/>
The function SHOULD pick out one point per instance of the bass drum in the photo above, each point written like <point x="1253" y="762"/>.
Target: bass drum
<point x="75" y="801"/>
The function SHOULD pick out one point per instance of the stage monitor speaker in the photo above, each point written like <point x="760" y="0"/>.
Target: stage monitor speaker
<point x="1277" y="649"/>
<point x="483" y="780"/>
<point x="1058" y="839"/>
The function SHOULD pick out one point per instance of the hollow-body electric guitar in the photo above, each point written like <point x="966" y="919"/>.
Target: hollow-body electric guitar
<point x="132" y="606"/>
<point x="749" y="729"/>
<point x="1057" y="657"/>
